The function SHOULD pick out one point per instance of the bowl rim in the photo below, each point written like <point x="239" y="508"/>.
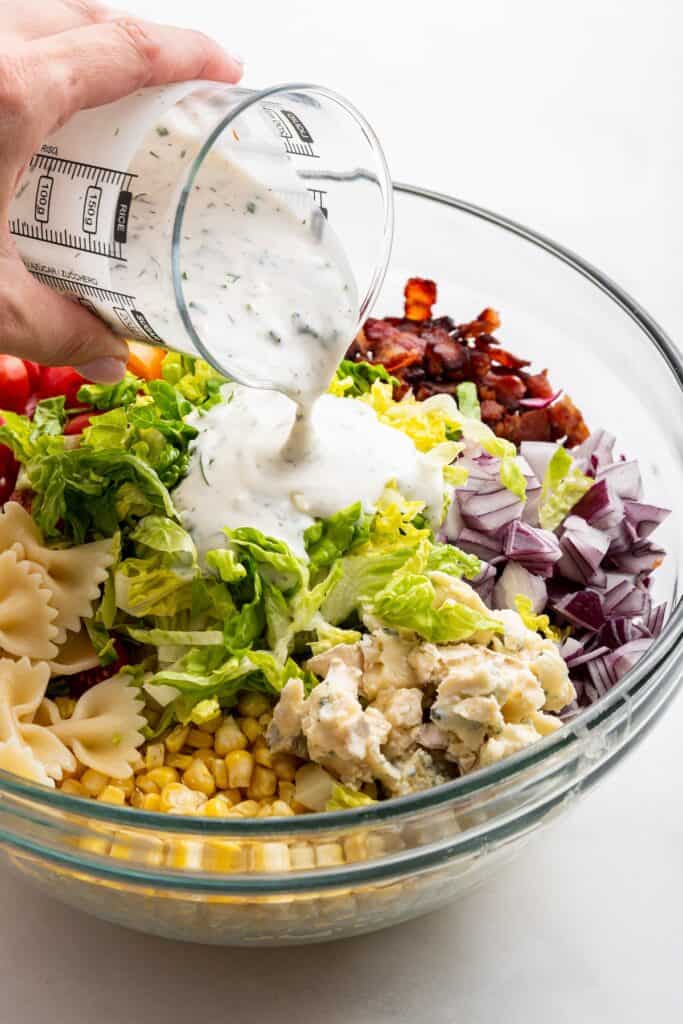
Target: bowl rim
<point x="478" y="782"/>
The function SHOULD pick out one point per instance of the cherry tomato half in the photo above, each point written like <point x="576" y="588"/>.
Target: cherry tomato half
<point x="9" y="468"/>
<point x="61" y="380"/>
<point x="33" y="371"/>
<point x="14" y="384"/>
<point x="77" y="424"/>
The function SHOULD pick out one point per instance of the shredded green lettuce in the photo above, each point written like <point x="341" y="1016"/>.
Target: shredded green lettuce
<point x="343" y="798"/>
<point x="536" y="623"/>
<point x="468" y="400"/>
<point x="353" y="379"/>
<point x="563" y="486"/>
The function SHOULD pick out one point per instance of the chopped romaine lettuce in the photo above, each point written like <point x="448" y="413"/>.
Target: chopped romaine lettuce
<point x="563" y="485"/>
<point x="343" y="798"/>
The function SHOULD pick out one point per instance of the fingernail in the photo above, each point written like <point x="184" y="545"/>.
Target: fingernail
<point x="103" y="371"/>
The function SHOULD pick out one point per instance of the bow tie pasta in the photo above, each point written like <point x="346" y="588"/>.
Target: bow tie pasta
<point x="27" y="617"/>
<point x="27" y="749"/>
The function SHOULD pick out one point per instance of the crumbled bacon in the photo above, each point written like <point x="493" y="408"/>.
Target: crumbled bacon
<point x="420" y="296"/>
<point x="432" y="355"/>
<point x="82" y="681"/>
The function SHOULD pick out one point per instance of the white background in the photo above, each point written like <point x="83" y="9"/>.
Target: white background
<point x="567" y="117"/>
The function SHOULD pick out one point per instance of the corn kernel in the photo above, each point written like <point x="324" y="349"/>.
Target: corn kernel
<point x="112" y="795"/>
<point x="146" y="784"/>
<point x="251" y="705"/>
<point x="247" y="808"/>
<point x="224" y="855"/>
<point x="177" y="738"/>
<point x="207" y="756"/>
<point x="269" y="857"/>
<point x="284" y="766"/>
<point x="250" y="728"/>
<point x="261" y="753"/>
<point x="154" y="755"/>
<point x="233" y="795"/>
<point x="127" y="785"/>
<point x="356" y="847"/>
<point x="151" y="802"/>
<point x="263" y="782"/>
<point x="197" y="739"/>
<point x="138" y="763"/>
<point x="328" y="855"/>
<point x="181" y="761"/>
<point x="94" y="844"/>
<point x="66" y="706"/>
<point x="264" y="810"/>
<point x="198" y="777"/>
<point x="240" y="765"/>
<point x="301" y="856"/>
<point x="220" y="773"/>
<point x="163" y="776"/>
<point x="132" y="846"/>
<point x="299" y="808"/>
<point x="217" y="807"/>
<point x="212" y="725"/>
<point x="229" y="737"/>
<point x="265" y="719"/>
<point x="179" y="799"/>
<point x="137" y="797"/>
<point x="184" y="853"/>
<point x="285" y="790"/>
<point x="74" y="788"/>
<point x="93" y="782"/>
<point x="280" y="809"/>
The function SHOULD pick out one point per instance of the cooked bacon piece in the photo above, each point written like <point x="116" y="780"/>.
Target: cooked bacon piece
<point x="82" y="681"/>
<point x="567" y="421"/>
<point x="433" y="356"/>
<point x="420" y="296"/>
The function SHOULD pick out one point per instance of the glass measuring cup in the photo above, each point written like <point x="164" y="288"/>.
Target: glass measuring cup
<point x="138" y="211"/>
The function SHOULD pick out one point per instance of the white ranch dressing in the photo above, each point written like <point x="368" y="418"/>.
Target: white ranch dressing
<point x="240" y="474"/>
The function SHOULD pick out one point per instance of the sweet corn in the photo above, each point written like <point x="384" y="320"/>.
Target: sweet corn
<point x="112" y="795"/>
<point x="301" y="856"/>
<point x="93" y="782"/>
<point x="154" y="755"/>
<point x="74" y="788"/>
<point x="179" y="799"/>
<point x="196" y="738"/>
<point x="184" y="853"/>
<point x="233" y="795"/>
<point x="224" y="855"/>
<point x="146" y="784"/>
<point x="280" y="809"/>
<point x="220" y="773"/>
<point x="127" y="785"/>
<point x="198" y="777"/>
<point x="138" y="763"/>
<point x="162" y="776"/>
<point x="212" y="725"/>
<point x="265" y="719"/>
<point x="177" y="738"/>
<point x="328" y="855"/>
<point x="205" y="755"/>
<point x="66" y="706"/>
<point x="250" y="728"/>
<point x="261" y="753"/>
<point x="217" y="807"/>
<point x="229" y="737"/>
<point x="286" y="790"/>
<point x="263" y="782"/>
<point x="356" y="847"/>
<point x="181" y="761"/>
<point x="240" y="765"/>
<point x="251" y="705"/>
<point x="151" y="802"/>
<point x="247" y="808"/>
<point x="269" y="857"/>
<point x="284" y="766"/>
<point x="136" y="798"/>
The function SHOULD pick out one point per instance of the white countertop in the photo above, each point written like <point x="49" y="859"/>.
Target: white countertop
<point x="570" y="118"/>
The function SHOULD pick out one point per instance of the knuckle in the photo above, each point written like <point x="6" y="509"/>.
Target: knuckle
<point x="134" y="35"/>
<point x="15" y="90"/>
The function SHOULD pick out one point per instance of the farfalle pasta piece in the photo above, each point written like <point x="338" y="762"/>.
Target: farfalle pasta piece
<point x="27" y="617"/>
<point x="27" y="749"/>
<point x="75" y="655"/>
<point x="73" y="575"/>
<point x="104" y="730"/>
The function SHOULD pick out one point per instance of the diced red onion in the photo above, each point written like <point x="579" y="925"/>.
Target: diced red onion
<point x="539" y="403"/>
<point x="538" y="454"/>
<point x="514" y="580"/>
<point x="619" y="631"/>
<point x="583" y="549"/>
<point x="624" y="658"/>
<point x="584" y="657"/>
<point x="483" y="545"/>
<point x="484" y="583"/>
<point x="489" y="512"/>
<point x="583" y="608"/>
<point x="595" y="452"/>
<point x="625" y="479"/>
<point x="600" y="506"/>
<point x="643" y="557"/>
<point x="537" y="550"/>
<point x="655" y="619"/>
<point x="644" y="518"/>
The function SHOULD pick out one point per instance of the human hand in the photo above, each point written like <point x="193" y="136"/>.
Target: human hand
<point x="57" y="58"/>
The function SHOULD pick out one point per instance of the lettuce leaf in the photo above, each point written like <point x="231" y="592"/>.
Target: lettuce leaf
<point x="109" y="396"/>
<point x="343" y="798"/>
<point x="353" y="379"/>
<point x="563" y="486"/>
<point x="450" y="559"/>
<point x="468" y="400"/>
<point x="409" y="601"/>
<point x="326" y="540"/>
<point x="536" y="623"/>
<point x="511" y="476"/>
<point x="195" y="379"/>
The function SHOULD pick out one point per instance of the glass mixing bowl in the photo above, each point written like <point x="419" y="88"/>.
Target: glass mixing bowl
<point x="316" y="877"/>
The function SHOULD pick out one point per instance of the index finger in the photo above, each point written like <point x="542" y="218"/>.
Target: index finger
<point x="97" y="64"/>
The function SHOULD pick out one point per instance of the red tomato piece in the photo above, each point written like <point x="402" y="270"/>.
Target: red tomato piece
<point x="14" y="384"/>
<point x="61" y="380"/>
<point x="33" y="371"/>
<point x="77" y="424"/>
<point x="9" y="469"/>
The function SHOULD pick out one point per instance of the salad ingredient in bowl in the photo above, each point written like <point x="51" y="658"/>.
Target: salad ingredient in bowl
<point x="232" y="607"/>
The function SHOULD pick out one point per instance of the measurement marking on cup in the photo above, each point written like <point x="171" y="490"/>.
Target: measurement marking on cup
<point x="290" y="127"/>
<point x="82" y="234"/>
<point x="81" y="288"/>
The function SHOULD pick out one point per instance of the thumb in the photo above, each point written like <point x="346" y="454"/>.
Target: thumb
<point x="37" y="323"/>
